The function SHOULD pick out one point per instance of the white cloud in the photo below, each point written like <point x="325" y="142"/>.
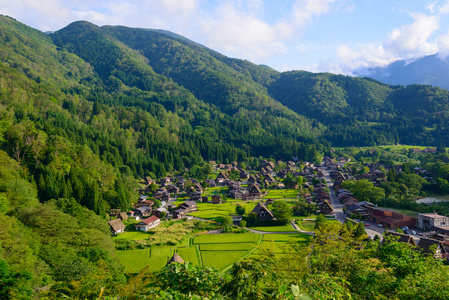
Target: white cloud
<point x="407" y="42"/>
<point x="305" y="10"/>
<point x="309" y="47"/>
<point x="242" y="33"/>
<point x="412" y="40"/>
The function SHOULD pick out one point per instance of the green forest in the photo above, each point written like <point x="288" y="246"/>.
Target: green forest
<point x="87" y="111"/>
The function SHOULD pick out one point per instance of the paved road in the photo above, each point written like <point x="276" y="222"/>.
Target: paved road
<point x="372" y="230"/>
<point x="338" y="207"/>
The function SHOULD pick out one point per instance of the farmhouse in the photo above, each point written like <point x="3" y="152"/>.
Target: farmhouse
<point x="148" y="223"/>
<point x="116" y="226"/>
<point x="216" y="199"/>
<point x="262" y="212"/>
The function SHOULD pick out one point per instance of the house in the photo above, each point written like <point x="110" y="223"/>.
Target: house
<point x="179" y="213"/>
<point x="269" y="201"/>
<point x="431" y="246"/>
<point x="430" y="221"/>
<point x="148" y="180"/>
<point x="122" y="216"/>
<point x="236" y="218"/>
<point x="262" y="212"/>
<point x="158" y="212"/>
<point x="175" y="259"/>
<point x="189" y="206"/>
<point x="216" y="199"/>
<point x="390" y="219"/>
<point x="270" y="178"/>
<point x="195" y="196"/>
<point x="116" y="226"/>
<point x="114" y="212"/>
<point x="401" y="237"/>
<point x="357" y="210"/>
<point x="326" y="207"/>
<point x="198" y="188"/>
<point x="142" y="211"/>
<point x="254" y="191"/>
<point x="148" y="223"/>
<point x="204" y="199"/>
<point x="221" y="177"/>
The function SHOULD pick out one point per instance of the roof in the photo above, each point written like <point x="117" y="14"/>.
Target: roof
<point x="404" y="238"/>
<point x="150" y="220"/>
<point x="425" y="244"/>
<point x="175" y="258"/>
<point x="117" y="225"/>
<point x="189" y="203"/>
<point x="432" y="215"/>
<point x="260" y="207"/>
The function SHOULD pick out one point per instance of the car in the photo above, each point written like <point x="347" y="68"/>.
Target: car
<point x="357" y="220"/>
<point x="406" y="232"/>
<point x="413" y="232"/>
<point x="405" y="228"/>
<point x="379" y="225"/>
<point x="366" y="224"/>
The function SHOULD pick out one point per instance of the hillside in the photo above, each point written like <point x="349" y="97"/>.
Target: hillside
<point x="362" y="111"/>
<point x="88" y="111"/>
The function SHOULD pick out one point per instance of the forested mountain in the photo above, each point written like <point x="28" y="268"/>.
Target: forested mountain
<point x="86" y="111"/>
<point x="362" y="111"/>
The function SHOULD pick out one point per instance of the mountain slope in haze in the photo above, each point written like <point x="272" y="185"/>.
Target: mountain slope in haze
<point x="432" y="70"/>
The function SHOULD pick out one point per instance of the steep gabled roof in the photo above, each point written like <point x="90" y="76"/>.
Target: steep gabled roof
<point x="261" y="207"/>
<point x="425" y="245"/>
<point x="175" y="258"/>
<point x="404" y="238"/>
<point x="117" y="225"/>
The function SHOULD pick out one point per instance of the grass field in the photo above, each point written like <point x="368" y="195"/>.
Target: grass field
<point x="287" y="237"/>
<point x="281" y="194"/>
<point x="216" y="211"/>
<point x="225" y="247"/>
<point x="189" y="254"/>
<point x="309" y="225"/>
<point x="135" y="260"/>
<point x="284" y="228"/>
<point x="132" y="235"/>
<point x="221" y="259"/>
<point x="227" y="238"/>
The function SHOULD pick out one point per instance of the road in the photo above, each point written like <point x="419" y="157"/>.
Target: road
<point x="372" y="230"/>
<point x="338" y="207"/>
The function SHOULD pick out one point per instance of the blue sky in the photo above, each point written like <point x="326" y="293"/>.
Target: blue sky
<point x="336" y="36"/>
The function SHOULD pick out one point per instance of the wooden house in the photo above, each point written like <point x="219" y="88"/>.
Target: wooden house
<point x="262" y="212"/>
<point x="116" y="226"/>
<point x="433" y="247"/>
<point x="216" y="199"/>
<point x="147" y="224"/>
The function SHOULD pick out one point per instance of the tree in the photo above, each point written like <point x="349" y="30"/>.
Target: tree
<point x="320" y="221"/>
<point x="282" y="212"/>
<point x="242" y="223"/>
<point x="360" y="231"/>
<point x="240" y="210"/>
<point x="226" y="221"/>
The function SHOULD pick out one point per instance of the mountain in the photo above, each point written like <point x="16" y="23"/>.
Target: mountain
<point x="87" y="111"/>
<point x="432" y="70"/>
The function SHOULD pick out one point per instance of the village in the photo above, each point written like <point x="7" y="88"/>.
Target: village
<point x="311" y="190"/>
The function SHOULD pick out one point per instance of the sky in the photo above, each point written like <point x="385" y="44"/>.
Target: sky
<point x="338" y="36"/>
